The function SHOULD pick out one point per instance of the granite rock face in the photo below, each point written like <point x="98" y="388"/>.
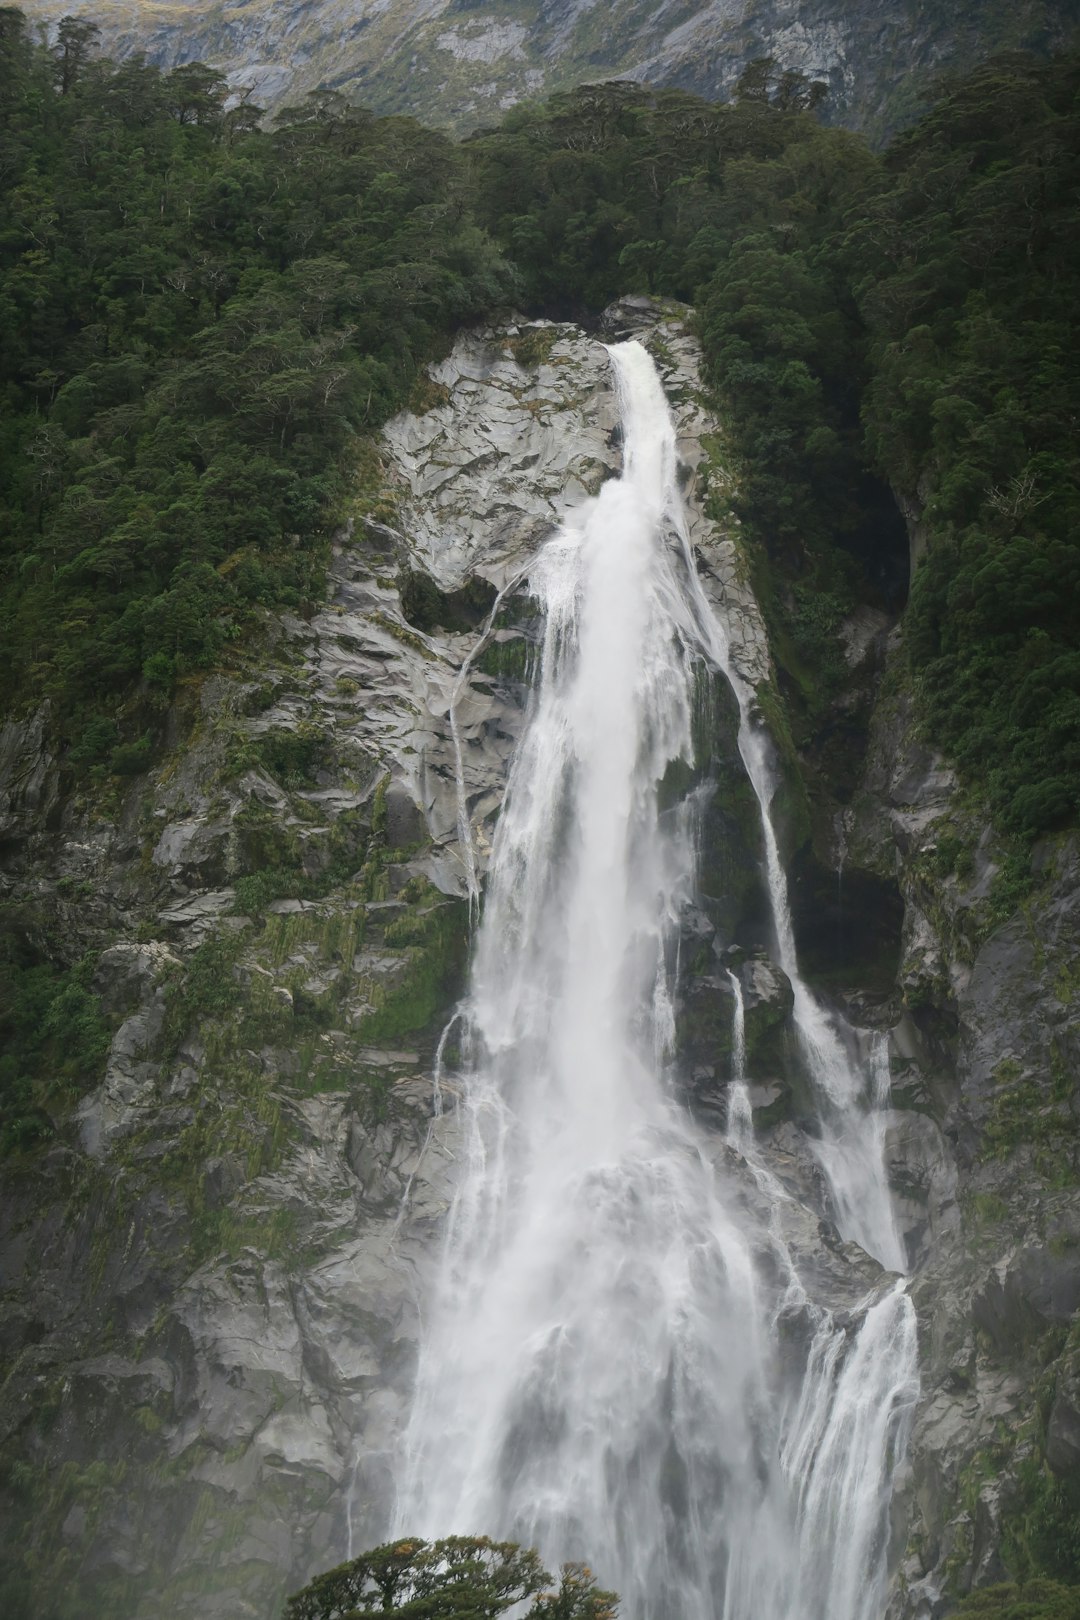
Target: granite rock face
<point x="29" y="780"/>
<point x="983" y="1158"/>
<point x="453" y="63"/>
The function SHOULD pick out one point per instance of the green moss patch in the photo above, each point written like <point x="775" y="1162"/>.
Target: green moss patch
<point x="54" y="1038"/>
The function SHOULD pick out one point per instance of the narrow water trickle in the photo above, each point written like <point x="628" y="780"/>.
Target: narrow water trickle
<point x="620" y="1363"/>
<point x="740" y="1119"/>
<point x="465" y="841"/>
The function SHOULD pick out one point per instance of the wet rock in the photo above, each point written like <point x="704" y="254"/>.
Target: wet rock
<point x="628" y="316"/>
<point x="222" y="1179"/>
<point x="29" y="778"/>
<point x="767" y="992"/>
<point x="767" y="1003"/>
<point x="924" y="1182"/>
<point x="1063" y="1426"/>
<point x="134" y="1383"/>
<point x="126" y="973"/>
<point x="1026" y="1292"/>
<point x="848" y="924"/>
<point x="982" y="1156"/>
<point x="200" y="913"/>
<point x="488" y="473"/>
<point x="863" y="635"/>
<point x="131" y="1078"/>
<point x="194" y="853"/>
<point x="404" y="820"/>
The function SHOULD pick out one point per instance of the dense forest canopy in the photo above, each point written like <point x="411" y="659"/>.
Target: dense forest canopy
<point x="195" y="318"/>
<point x="911" y="316"/>
<point x="204" y="321"/>
<point x="198" y="317"/>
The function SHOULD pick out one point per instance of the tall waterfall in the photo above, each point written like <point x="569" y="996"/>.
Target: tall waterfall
<point x="621" y="1363"/>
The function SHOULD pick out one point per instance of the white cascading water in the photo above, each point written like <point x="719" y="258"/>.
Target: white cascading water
<point x="620" y="1363"/>
<point x="740" y="1119"/>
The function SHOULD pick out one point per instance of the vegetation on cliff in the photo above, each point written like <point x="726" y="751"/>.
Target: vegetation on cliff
<point x="965" y="265"/>
<point x="196" y="317"/>
<point x="1037" y="1600"/>
<point x="202" y="320"/>
<point x="53" y="1038"/>
<point x="907" y="319"/>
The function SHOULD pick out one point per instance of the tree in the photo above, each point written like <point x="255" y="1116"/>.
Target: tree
<point x="756" y="79"/>
<point x="459" y="1578"/>
<point x="195" y="94"/>
<point x="76" y="42"/>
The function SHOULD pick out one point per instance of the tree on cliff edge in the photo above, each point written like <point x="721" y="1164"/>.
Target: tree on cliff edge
<point x="461" y="1578"/>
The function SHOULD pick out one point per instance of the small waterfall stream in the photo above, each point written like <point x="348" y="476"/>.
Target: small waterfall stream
<point x="621" y="1363"/>
<point x="740" y="1123"/>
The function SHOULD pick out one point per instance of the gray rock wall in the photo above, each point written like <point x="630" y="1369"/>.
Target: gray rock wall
<point x="463" y="66"/>
<point x="210" y="1279"/>
<point x="984" y="1161"/>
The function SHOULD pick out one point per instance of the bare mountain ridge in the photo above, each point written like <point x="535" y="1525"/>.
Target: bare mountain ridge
<point x="462" y="63"/>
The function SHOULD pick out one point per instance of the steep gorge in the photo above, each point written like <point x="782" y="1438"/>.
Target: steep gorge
<point x="211" y="1284"/>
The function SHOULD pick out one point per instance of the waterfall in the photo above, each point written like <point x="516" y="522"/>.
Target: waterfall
<point x="621" y="1363"/>
<point x="464" y="825"/>
<point x="850" y="1149"/>
<point x="739" y="1116"/>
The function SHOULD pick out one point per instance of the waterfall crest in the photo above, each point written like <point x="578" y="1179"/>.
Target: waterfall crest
<point x="621" y="1363"/>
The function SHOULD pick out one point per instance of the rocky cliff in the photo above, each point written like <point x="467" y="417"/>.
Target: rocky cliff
<point x="462" y="64"/>
<point x="210" y="1279"/>
<point x="985" y="1065"/>
<point x="210" y="1282"/>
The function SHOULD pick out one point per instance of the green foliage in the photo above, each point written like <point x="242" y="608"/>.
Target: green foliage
<point x="620" y="188"/>
<point x="1042" y="1532"/>
<point x="1035" y="1600"/>
<point x="202" y="323"/>
<point x="1039" y="1539"/>
<point x="460" y="1578"/>
<point x="507" y="658"/>
<point x="432" y="937"/>
<point x="784" y="355"/>
<point x="207" y="987"/>
<point x="53" y="1036"/>
<point x="129" y="759"/>
<point x="615" y="188"/>
<point x="36" y="1583"/>
<point x="293" y="758"/>
<point x="932" y="293"/>
<point x="533" y="346"/>
<point x="422" y="602"/>
<point x="965" y="266"/>
<point x="427" y="607"/>
<point x="1013" y="883"/>
<point x="283" y="867"/>
<point x="197" y="320"/>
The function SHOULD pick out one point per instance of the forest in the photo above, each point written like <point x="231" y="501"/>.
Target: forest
<point x="204" y="321"/>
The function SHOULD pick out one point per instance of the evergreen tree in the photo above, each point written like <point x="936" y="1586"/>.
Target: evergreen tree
<point x="459" y="1578"/>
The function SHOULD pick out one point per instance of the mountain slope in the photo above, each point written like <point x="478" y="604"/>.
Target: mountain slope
<point x="461" y="63"/>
